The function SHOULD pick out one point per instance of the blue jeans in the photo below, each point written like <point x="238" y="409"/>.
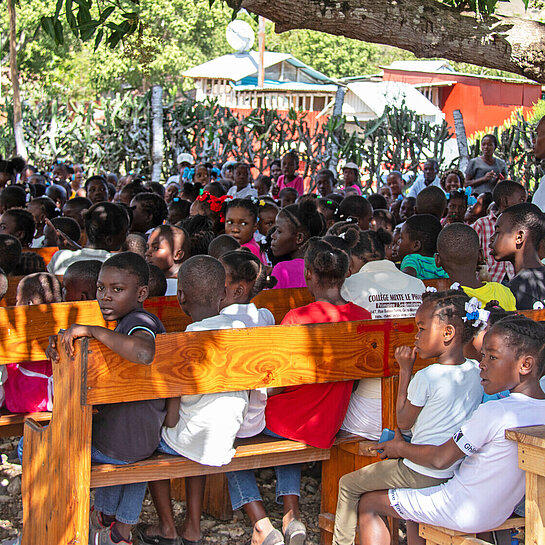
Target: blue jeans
<point x="243" y="487"/>
<point x="124" y="501"/>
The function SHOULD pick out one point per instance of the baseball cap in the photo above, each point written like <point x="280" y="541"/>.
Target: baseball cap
<point x="352" y="165"/>
<point x="185" y="158"/>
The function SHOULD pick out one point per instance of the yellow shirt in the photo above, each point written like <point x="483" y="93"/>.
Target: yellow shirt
<point x="493" y="291"/>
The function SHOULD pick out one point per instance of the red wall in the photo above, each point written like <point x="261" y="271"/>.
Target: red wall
<point x="483" y="102"/>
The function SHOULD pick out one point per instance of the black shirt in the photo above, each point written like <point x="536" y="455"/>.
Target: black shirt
<point x="528" y="287"/>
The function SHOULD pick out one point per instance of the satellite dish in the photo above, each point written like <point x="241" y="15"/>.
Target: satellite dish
<point x="240" y="35"/>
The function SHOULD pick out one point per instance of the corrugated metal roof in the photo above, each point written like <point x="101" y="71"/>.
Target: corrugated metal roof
<point x="288" y="86"/>
<point x="235" y="66"/>
<point x="421" y="66"/>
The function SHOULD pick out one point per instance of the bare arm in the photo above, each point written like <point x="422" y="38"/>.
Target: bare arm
<point x="409" y="270"/>
<point x="433" y="456"/>
<point x="173" y="412"/>
<point x="138" y="347"/>
<point x="406" y="412"/>
<point x="470" y="182"/>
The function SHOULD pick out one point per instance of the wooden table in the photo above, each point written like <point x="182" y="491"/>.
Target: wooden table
<point x="531" y="445"/>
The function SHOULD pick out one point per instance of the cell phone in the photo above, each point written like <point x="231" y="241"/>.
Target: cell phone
<point x="388" y="434"/>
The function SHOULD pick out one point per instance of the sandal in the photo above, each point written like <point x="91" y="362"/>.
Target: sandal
<point x="185" y="541"/>
<point x="295" y="533"/>
<point x="274" y="537"/>
<point x="144" y="539"/>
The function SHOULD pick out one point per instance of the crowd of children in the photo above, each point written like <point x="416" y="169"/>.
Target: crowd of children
<point x="220" y="239"/>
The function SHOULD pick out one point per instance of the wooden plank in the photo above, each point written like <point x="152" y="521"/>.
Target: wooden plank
<point x="226" y="360"/>
<point x="531" y="459"/>
<point x="535" y="509"/>
<point x="528" y="435"/>
<point x="46" y="252"/>
<point x="361" y="448"/>
<point x="279" y="302"/>
<point x="12" y="424"/>
<point x="57" y="462"/>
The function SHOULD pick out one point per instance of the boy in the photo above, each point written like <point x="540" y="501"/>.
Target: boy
<point x="407" y="208"/>
<point x="458" y="254"/>
<point x="149" y="211"/>
<point x="242" y="188"/>
<point x="222" y="244"/>
<point x="80" y="280"/>
<point x="395" y="182"/>
<point x="505" y="194"/>
<point x="41" y="208"/>
<point x="287" y="196"/>
<point x="325" y="182"/>
<point x="123" y="432"/>
<point x="10" y="253"/>
<point x="517" y="234"/>
<point x="358" y="208"/>
<point x="74" y="209"/>
<point x="431" y="200"/>
<point x="199" y="427"/>
<point x="417" y="244"/>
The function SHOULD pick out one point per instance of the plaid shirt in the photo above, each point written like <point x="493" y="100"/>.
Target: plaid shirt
<point x="497" y="270"/>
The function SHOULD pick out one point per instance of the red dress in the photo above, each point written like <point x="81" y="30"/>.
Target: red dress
<point x="313" y="413"/>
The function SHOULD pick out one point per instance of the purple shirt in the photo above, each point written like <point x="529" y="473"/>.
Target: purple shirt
<point x="290" y="274"/>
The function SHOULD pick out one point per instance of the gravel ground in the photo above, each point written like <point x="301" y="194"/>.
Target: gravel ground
<point x="235" y="531"/>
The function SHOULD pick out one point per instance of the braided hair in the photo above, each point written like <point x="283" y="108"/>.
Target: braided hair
<point x="524" y="336"/>
<point x="450" y="307"/>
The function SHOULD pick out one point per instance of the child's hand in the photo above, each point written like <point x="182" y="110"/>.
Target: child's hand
<point x="74" y="332"/>
<point x="70" y="244"/>
<point x="391" y="449"/>
<point x="405" y="357"/>
<point x="51" y="350"/>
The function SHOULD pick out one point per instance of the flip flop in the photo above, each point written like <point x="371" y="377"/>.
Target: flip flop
<point x="295" y="533"/>
<point x="185" y="541"/>
<point x="274" y="537"/>
<point x="144" y="539"/>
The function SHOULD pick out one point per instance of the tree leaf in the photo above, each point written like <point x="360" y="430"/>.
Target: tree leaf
<point x="59" y="35"/>
<point x="48" y="24"/>
<point x="106" y="13"/>
<point x="98" y="38"/>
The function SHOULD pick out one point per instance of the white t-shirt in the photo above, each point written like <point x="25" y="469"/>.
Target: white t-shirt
<point x="385" y="292"/>
<point x="244" y="193"/>
<point x="488" y="484"/>
<point x="251" y="316"/>
<point x="448" y="395"/>
<point x="420" y="184"/>
<point x="62" y="259"/>
<point x="209" y="423"/>
<point x="172" y="286"/>
<point x="539" y="196"/>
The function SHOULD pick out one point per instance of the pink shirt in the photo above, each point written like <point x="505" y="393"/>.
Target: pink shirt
<point x="253" y="246"/>
<point x="290" y="274"/>
<point x="297" y="183"/>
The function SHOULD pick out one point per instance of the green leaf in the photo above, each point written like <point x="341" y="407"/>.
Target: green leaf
<point x="115" y="38"/>
<point x="106" y="13"/>
<point x="48" y="24"/>
<point x="59" y="36"/>
<point x="98" y="38"/>
<point x="87" y="30"/>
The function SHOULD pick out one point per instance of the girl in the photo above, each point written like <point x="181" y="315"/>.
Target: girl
<point x="479" y="209"/>
<point x="212" y="207"/>
<point x="294" y="225"/>
<point x="329" y="210"/>
<point x="241" y="224"/>
<point x="456" y="208"/>
<point x="242" y="187"/>
<point x="266" y="216"/>
<point x="433" y="405"/>
<point x="452" y="180"/>
<point x="513" y="359"/>
<point x="484" y="172"/>
<point x="310" y="413"/>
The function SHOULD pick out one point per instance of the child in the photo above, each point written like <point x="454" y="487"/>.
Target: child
<point x="456" y="208"/>
<point x="200" y="233"/>
<point x="479" y="209"/>
<point x="458" y="255"/>
<point x="3" y="289"/>
<point x="19" y="223"/>
<point x="74" y="209"/>
<point x="241" y="224"/>
<point x="266" y="215"/>
<point x="506" y="194"/>
<point x="289" y="177"/>
<point x="358" y="208"/>
<point x="382" y="219"/>
<point x="221" y="245"/>
<point x="202" y="174"/>
<point x="325" y="182"/>
<point x="395" y="182"/>
<point x="452" y="180"/>
<point x="106" y="226"/>
<point x="287" y="196"/>
<point x="202" y="427"/>
<point x="242" y="188"/>
<point x="96" y="189"/>
<point x="212" y="207"/>
<point x="517" y="234"/>
<point x="10" y="253"/>
<point x="294" y="225"/>
<point x="135" y="242"/>
<point x="178" y="210"/>
<point x="157" y="282"/>
<point x="433" y="404"/>
<point x="513" y="360"/>
<point x="431" y="200"/>
<point x="416" y="246"/>
<point x="41" y="208"/>
<point x="29" y="385"/>
<point x="263" y="185"/>
<point x="407" y="208"/>
<point x="167" y="248"/>
<point x="377" y="201"/>
<point x="123" y="432"/>
<point x="80" y="280"/>
<point x="67" y="226"/>
<point x="149" y="211"/>
<point x="12" y="196"/>
<point x="310" y="413"/>
<point x="329" y="210"/>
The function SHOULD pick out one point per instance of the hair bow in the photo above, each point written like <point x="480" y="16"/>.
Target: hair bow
<point x="538" y="305"/>
<point x="431" y="289"/>
<point x="475" y="313"/>
<point x="455" y="286"/>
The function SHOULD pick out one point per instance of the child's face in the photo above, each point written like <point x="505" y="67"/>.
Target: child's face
<point x="201" y="176"/>
<point x="363" y="221"/>
<point x="287" y="198"/>
<point x="328" y="214"/>
<point x="515" y="198"/>
<point x="266" y="220"/>
<point x="349" y="176"/>
<point x="404" y="245"/>
<point x="499" y="364"/>
<point x="171" y="192"/>
<point x="395" y="240"/>
<point x="118" y="293"/>
<point x="386" y="193"/>
<point x="242" y="177"/>
<point x="37" y="212"/>
<point x="456" y="210"/>
<point x="395" y="184"/>
<point x="406" y="210"/>
<point x="276" y="171"/>
<point x="8" y="226"/>
<point x="452" y="182"/>
<point x="51" y="238"/>
<point x="159" y="251"/>
<point x="284" y="238"/>
<point x="97" y="191"/>
<point x="288" y="167"/>
<point x="23" y="297"/>
<point x="260" y="187"/>
<point x="503" y="242"/>
<point x="240" y="224"/>
<point x="324" y="185"/>
<point x="429" y="340"/>
<point x="174" y="215"/>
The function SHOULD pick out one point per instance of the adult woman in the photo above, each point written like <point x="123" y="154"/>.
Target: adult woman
<point x="483" y="172"/>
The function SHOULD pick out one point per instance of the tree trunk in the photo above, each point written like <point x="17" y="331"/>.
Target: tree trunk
<point x="461" y="140"/>
<point x="337" y="112"/>
<point x="14" y="75"/>
<point x="425" y="27"/>
<point x="156" y="132"/>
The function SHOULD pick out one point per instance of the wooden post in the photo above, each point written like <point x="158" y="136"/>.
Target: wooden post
<point x="57" y="462"/>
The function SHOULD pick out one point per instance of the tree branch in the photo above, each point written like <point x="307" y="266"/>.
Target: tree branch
<point x="425" y="27"/>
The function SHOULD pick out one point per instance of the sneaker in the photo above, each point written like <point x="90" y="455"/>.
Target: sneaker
<point x="104" y="537"/>
<point x="95" y="520"/>
<point x="295" y="533"/>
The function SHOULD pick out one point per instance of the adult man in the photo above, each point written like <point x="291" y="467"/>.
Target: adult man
<point x="429" y="177"/>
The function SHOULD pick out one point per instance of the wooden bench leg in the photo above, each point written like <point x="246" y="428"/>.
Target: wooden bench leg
<point x="57" y="465"/>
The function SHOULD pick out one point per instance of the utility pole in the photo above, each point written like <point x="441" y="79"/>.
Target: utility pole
<point x="261" y="71"/>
